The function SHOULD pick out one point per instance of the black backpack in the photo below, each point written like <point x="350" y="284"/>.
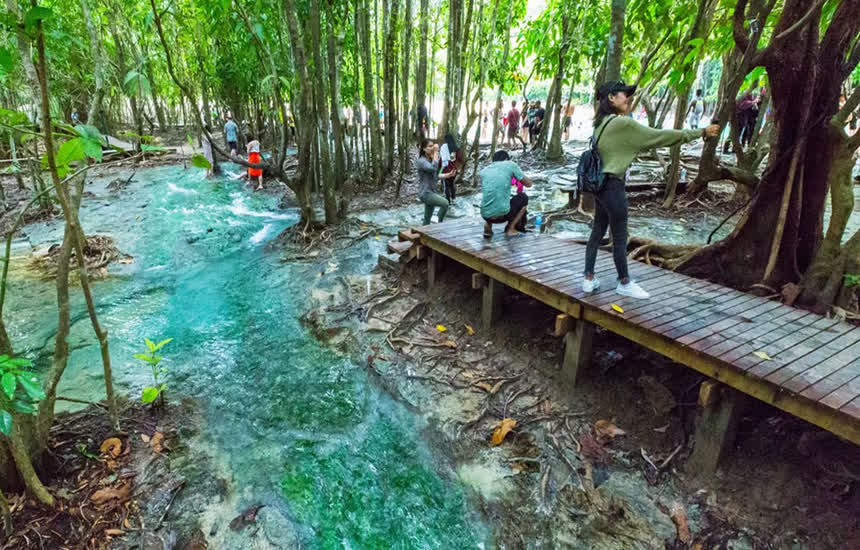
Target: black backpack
<point x="589" y="173"/>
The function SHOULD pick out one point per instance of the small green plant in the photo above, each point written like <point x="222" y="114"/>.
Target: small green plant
<point x="20" y="393"/>
<point x="852" y="279"/>
<point x="152" y="358"/>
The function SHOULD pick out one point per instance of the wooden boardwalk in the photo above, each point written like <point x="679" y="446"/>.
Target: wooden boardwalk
<point x="803" y="363"/>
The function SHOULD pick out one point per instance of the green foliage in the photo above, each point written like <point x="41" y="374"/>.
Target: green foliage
<point x="136" y="84"/>
<point x="34" y="15"/>
<point x="199" y="161"/>
<point x="20" y="391"/>
<point x="152" y="358"/>
<point x="851" y="279"/>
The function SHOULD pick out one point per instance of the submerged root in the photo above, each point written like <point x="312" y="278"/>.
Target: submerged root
<point x="100" y="251"/>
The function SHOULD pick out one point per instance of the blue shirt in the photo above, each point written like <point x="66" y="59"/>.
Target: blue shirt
<point x="230" y="129"/>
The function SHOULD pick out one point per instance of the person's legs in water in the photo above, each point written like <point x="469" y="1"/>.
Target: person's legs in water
<point x="432" y="201"/>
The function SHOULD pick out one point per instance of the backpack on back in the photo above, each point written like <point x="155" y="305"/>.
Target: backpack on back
<point x="589" y="173"/>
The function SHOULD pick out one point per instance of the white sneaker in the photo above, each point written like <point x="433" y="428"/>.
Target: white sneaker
<point x="633" y="290"/>
<point x="590" y="285"/>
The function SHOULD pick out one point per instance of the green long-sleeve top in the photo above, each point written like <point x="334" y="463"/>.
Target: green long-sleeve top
<point x="624" y="138"/>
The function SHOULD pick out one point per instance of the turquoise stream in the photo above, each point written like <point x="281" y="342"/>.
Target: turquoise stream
<point x="299" y="428"/>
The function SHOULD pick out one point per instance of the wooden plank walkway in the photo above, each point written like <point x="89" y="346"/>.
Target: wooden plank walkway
<point x="814" y="366"/>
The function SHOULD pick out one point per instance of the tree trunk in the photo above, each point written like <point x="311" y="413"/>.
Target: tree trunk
<point x="389" y="16"/>
<point x="555" y="151"/>
<point x="23" y="43"/>
<point x="328" y="185"/>
<point x="615" y="44"/>
<point x="369" y="97"/>
<point x="99" y="60"/>
<point x="421" y="70"/>
<point x="779" y="235"/>
<point x="498" y="108"/>
<point x="405" y="125"/>
<point x="449" y="109"/>
<point x="333" y="51"/>
<point x="305" y="119"/>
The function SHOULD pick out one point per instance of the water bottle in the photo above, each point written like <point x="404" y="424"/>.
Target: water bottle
<point x="538" y="222"/>
<point x="683" y="175"/>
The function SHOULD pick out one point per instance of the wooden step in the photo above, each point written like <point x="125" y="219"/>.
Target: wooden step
<point x="399" y="247"/>
<point x="407" y="235"/>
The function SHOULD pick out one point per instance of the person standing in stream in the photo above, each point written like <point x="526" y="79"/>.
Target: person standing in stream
<point x="619" y="139"/>
<point x="428" y="181"/>
<point x="231" y="133"/>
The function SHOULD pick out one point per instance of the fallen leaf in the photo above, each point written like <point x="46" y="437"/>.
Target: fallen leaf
<point x="617" y="308"/>
<point x="505" y="426"/>
<point x="662" y="429"/>
<point x="157" y="442"/>
<point x="112" y="445"/>
<point x="470" y="330"/>
<point x="145" y="438"/>
<point x="126" y="260"/>
<point x="126" y="523"/>
<point x="679" y="518"/>
<point x="762" y="355"/>
<point x="606" y="429"/>
<point x="485" y="386"/>
<point x="114" y="532"/>
<point x="377" y="237"/>
<point x="111" y="493"/>
<point x="497" y="387"/>
<point x="450" y="343"/>
<point x="441" y="328"/>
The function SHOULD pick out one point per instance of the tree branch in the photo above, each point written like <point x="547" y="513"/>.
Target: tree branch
<point x="800" y="24"/>
<point x="740" y="34"/>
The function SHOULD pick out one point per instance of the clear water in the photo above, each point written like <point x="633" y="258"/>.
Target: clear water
<point x="298" y="427"/>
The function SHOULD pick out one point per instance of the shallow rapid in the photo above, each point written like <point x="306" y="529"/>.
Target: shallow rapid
<point x="291" y="423"/>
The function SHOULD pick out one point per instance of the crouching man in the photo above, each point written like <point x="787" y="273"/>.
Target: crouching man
<point x="497" y="204"/>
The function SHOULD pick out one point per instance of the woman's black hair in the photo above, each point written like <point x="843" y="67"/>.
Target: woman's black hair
<point x="422" y="146"/>
<point x="501" y="155"/>
<point x="452" y="143"/>
<point x="604" y="109"/>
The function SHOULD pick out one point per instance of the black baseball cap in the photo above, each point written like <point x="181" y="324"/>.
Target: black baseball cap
<point x="613" y="87"/>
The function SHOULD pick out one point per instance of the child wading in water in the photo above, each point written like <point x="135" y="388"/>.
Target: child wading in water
<point x="254" y="158"/>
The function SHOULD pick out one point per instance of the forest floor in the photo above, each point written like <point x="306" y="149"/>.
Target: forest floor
<point x="603" y="465"/>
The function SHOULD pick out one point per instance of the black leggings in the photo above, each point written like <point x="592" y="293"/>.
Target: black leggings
<point x="610" y="210"/>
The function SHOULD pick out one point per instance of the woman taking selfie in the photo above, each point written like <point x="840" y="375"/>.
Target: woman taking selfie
<point x="619" y="140"/>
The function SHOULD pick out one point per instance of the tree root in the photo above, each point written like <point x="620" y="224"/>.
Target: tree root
<point x="667" y="256"/>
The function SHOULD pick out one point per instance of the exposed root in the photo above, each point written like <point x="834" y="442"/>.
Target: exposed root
<point x="101" y="250"/>
<point x="305" y="241"/>
<point x="667" y="256"/>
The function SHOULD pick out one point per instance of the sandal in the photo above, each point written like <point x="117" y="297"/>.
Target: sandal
<point x="488" y="233"/>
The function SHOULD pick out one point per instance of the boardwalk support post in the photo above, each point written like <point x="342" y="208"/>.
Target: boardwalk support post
<point x="720" y="409"/>
<point x="491" y="308"/>
<point x="577" y="349"/>
<point x="434" y="267"/>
